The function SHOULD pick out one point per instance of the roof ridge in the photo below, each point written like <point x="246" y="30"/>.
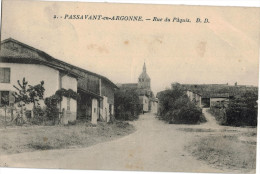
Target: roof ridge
<point x="51" y="57"/>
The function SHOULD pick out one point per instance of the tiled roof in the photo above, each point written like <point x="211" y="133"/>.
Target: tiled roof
<point x="39" y="55"/>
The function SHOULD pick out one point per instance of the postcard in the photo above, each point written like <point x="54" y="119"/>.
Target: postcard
<point x="129" y="87"/>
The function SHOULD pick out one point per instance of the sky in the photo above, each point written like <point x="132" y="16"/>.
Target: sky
<point x="226" y="50"/>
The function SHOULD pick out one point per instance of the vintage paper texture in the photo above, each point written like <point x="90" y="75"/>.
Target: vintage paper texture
<point x="222" y="48"/>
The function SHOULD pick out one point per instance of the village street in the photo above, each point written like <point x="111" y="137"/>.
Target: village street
<point x="155" y="146"/>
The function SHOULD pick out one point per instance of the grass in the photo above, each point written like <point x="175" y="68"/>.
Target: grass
<point x="195" y="130"/>
<point x="60" y="137"/>
<point x="225" y="151"/>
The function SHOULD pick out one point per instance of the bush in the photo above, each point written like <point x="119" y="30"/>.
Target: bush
<point x="127" y="105"/>
<point x="242" y="111"/>
<point x="219" y="114"/>
<point x="187" y="114"/>
<point x="39" y="116"/>
<point x="52" y="110"/>
<point x="175" y="107"/>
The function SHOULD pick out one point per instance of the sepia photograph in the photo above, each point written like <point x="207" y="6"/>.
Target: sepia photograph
<point x="129" y="87"/>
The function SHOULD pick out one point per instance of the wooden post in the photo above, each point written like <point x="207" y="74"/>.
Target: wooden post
<point x="5" y="116"/>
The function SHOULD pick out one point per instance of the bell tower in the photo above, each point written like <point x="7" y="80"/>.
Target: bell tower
<point x="144" y="81"/>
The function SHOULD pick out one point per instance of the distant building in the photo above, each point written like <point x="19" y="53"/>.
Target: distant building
<point x="143" y="87"/>
<point x="195" y="97"/>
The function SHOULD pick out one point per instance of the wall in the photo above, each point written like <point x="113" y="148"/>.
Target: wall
<point x="34" y="74"/>
<point x="213" y="100"/>
<point x="71" y="114"/>
<point x="145" y="102"/>
<point x="198" y="100"/>
<point x="105" y="110"/>
<point x="94" y="115"/>
<point x="154" y="107"/>
<point x="68" y="82"/>
<point x="89" y="83"/>
<point x="108" y="91"/>
<point x="108" y="94"/>
<point x="194" y="97"/>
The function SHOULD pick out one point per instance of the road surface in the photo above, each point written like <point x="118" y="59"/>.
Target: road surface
<point x="155" y="146"/>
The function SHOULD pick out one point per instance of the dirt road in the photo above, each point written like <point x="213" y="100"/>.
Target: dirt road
<point x="155" y="146"/>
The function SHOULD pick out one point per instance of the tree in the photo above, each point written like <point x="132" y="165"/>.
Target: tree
<point x="127" y="105"/>
<point x="27" y="94"/>
<point x="36" y="94"/>
<point x="176" y="107"/>
<point x="242" y="110"/>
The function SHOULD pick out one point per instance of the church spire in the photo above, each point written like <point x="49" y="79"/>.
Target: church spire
<point x="144" y="67"/>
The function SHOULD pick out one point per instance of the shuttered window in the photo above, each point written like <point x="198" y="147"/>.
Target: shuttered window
<point x="4" y="98"/>
<point x="4" y="75"/>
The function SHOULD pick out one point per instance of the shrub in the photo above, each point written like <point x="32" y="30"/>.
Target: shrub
<point x="39" y="115"/>
<point x="127" y="105"/>
<point x="189" y="114"/>
<point x="219" y="114"/>
<point x="52" y="110"/>
<point x="26" y="94"/>
<point x="186" y="114"/>
<point x="175" y="107"/>
<point x="242" y="111"/>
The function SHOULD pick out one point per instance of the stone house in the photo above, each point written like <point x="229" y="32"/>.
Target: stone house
<point x="18" y="60"/>
<point x="195" y="97"/>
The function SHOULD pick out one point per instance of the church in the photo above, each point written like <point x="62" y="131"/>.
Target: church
<point x="143" y="87"/>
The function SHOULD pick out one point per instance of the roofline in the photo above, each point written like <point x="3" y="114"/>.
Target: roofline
<point x="37" y="61"/>
<point x="89" y="93"/>
<point x="193" y="92"/>
<point x="60" y="61"/>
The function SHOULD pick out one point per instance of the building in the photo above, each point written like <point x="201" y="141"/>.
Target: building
<point x="218" y="98"/>
<point x="195" y="97"/>
<point x="18" y="61"/>
<point x="143" y="87"/>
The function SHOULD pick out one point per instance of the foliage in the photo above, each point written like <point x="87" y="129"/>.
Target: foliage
<point x="188" y="114"/>
<point x="52" y="110"/>
<point x="27" y="94"/>
<point x="207" y="90"/>
<point x="219" y="114"/>
<point x="67" y="93"/>
<point x="39" y="115"/>
<point x="36" y="93"/>
<point x="22" y="95"/>
<point x="242" y="111"/>
<point x="175" y="107"/>
<point x="127" y="105"/>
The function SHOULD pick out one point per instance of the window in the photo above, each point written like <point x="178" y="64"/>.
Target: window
<point x="110" y="109"/>
<point x="4" y="75"/>
<point x="4" y="98"/>
<point x="68" y="104"/>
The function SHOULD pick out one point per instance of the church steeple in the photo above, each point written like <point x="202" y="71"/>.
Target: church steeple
<point x="144" y="68"/>
<point x="144" y="80"/>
